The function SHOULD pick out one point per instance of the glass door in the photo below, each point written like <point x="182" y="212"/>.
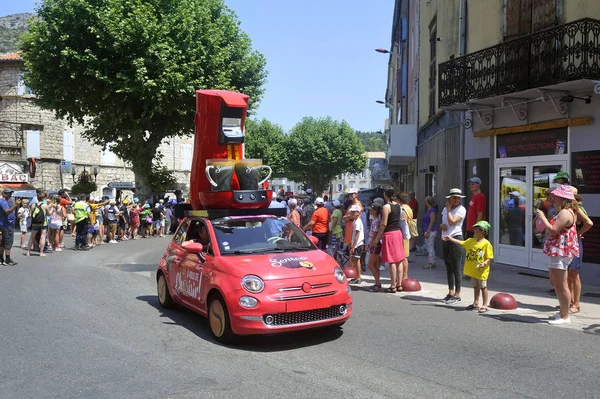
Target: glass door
<point x="522" y="189"/>
<point x="543" y="174"/>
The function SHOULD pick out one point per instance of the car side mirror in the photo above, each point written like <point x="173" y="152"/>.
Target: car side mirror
<point x="314" y="240"/>
<point x="196" y="248"/>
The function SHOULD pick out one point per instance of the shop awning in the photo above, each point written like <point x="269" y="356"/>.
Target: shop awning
<point x="23" y="190"/>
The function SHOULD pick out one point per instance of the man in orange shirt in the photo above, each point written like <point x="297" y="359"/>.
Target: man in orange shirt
<point x="319" y="223"/>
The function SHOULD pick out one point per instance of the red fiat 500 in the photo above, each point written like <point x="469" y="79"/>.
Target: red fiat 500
<point x="255" y="274"/>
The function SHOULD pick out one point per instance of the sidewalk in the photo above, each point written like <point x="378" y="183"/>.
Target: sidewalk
<point x="535" y="305"/>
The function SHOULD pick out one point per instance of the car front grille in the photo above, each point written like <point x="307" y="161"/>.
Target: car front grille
<point x="305" y="316"/>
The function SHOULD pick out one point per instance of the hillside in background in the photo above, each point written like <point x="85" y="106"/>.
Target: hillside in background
<point x="11" y="28"/>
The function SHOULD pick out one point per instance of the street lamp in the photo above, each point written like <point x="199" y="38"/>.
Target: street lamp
<point x="73" y="173"/>
<point x="384" y="103"/>
<point x="384" y="51"/>
<point x="95" y="172"/>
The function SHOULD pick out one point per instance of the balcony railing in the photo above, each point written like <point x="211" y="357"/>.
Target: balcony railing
<point x="561" y="54"/>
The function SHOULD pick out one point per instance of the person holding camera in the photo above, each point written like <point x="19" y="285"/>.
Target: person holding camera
<point x="7" y="226"/>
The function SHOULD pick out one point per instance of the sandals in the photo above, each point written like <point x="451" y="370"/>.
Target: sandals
<point x="375" y="288"/>
<point x="574" y="309"/>
<point x="483" y="310"/>
<point x="391" y="290"/>
<point x="472" y="307"/>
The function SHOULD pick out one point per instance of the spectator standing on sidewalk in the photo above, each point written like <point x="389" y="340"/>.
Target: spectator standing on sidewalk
<point x="348" y="218"/>
<point x="429" y="227"/>
<point x="157" y="217"/>
<point x="477" y="206"/>
<point x="134" y="218"/>
<point x="124" y="220"/>
<point x="404" y="200"/>
<point x="307" y="212"/>
<point x="373" y="246"/>
<point x="7" y="225"/>
<point x="479" y="255"/>
<point x="390" y="234"/>
<point x="584" y="223"/>
<point x="23" y="215"/>
<point x="55" y="226"/>
<point x="65" y="201"/>
<point x="82" y="211"/>
<point x="561" y="246"/>
<point x="319" y="223"/>
<point x="453" y="216"/>
<point x="39" y="224"/>
<point x="112" y="216"/>
<point x="358" y="242"/>
<point x="414" y="206"/>
<point x="294" y="215"/>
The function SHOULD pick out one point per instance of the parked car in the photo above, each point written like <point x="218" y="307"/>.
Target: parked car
<point x="252" y="274"/>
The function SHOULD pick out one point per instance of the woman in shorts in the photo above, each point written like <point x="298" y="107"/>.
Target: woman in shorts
<point x="57" y="215"/>
<point x="561" y="246"/>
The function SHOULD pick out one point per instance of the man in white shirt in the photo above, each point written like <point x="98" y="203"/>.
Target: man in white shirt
<point x="358" y="242"/>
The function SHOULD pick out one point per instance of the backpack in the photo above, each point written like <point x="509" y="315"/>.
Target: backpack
<point x="39" y="217"/>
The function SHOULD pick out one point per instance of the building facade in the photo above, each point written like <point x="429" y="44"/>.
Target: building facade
<point x="45" y="151"/>
<point x="511" y="97"/>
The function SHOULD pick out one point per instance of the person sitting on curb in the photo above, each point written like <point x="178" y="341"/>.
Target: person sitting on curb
<point x="479" y="255"/>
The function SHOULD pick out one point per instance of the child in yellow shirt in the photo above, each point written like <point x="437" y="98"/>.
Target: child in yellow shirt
<point x="479" y="255"/>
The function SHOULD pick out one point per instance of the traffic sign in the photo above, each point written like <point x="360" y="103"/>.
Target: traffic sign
<point x="121" y="185"/>
<point x="65" y="167"/>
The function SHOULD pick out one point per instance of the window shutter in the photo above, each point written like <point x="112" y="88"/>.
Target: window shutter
<point x="33" y="143"/>
<point x="68" y="146"/>
<point x="21" y="85"/>
<point x="186" y="156"/>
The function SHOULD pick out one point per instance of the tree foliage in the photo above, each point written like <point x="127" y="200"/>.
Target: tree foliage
<point x="373" y="141"/>
<point x="128" y="69"/>
<point x="265" y="140"/>
<point x="321" y="149"/>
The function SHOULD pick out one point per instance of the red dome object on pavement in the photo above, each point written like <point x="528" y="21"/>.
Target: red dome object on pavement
<point x="411" y="285"/>
<point x="503" y="301"/>
<point x="350" y="272"/>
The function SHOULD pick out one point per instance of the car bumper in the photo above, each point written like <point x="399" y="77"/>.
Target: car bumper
<point x="271" y="317"/>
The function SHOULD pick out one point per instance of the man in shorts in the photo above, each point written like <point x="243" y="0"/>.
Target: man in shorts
<point x="7" y="226"/>
<point x="358" y="242"/>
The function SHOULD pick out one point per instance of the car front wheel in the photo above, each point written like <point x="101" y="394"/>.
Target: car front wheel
<point x="218" y="319"/>
<point x="164" y="297"/>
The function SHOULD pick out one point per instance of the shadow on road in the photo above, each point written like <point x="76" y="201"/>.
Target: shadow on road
<point x="537" y="308"/>
<point x="516" y="318"/>
<point x="198" y="325"/>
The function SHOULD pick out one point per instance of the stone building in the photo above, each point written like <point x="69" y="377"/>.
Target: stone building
<point x="34" y="145"/>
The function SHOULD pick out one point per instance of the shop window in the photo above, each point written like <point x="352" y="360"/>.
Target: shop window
<point x="186" y="156"/>
<point x="68" y="146"/>
<point x="33" y="143"/>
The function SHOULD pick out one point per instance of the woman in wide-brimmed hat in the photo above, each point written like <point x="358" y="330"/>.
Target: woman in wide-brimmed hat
<point x="561" y="246"/>
<point x="453" y="216"/>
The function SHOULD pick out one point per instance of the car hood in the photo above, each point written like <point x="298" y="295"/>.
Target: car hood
<point x="275" y="266"/>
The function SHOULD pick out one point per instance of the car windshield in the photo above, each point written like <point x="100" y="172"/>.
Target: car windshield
<point x="259" y="234"/>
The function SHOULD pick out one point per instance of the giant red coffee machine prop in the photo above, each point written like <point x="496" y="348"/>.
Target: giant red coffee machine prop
<point x="221" y="177"/>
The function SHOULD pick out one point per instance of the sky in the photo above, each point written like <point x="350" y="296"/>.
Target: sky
<point x="320" y="55"/>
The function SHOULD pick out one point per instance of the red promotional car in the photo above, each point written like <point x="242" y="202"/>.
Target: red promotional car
<point x="252" y="274"/>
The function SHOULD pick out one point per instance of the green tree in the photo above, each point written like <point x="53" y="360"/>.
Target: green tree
<point x="321" y="149"/>
<point x="128" y="69"/>
<point x="373" y="141"/>
<point x="265" y="140"/>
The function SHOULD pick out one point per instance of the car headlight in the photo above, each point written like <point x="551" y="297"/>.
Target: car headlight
<point x="253" y="284"/>
<point x="248" y="302"/>
<point x="339" y="275"/>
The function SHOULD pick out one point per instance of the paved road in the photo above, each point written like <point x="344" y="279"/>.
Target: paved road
<point x="88" y="325"/>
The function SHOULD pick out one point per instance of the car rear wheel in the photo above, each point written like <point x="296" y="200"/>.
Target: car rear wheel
<point x="218" y="319"/>
<point x="164" y="297"/>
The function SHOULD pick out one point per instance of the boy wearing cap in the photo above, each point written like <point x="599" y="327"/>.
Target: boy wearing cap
<point x="477" y="205"/>
<point x="479" y="255"/>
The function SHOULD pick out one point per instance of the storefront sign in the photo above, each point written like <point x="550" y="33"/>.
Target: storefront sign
<point x="585" y="171"/>
<point x="543" y="142"/>
<point x="10" y="174"/>
<point x="591" y="243"/>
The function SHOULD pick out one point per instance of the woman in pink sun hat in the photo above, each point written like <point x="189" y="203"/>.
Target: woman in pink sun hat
<point x="561" y="246"/>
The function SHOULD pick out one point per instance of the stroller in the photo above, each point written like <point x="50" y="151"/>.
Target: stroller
<point x="340" y="252"/>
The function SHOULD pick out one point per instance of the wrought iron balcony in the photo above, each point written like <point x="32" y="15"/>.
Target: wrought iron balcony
<point x="561" y="54"/>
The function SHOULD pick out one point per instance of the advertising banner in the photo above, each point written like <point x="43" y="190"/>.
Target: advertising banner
<point x="543" y="142"/>
<point x="585" y="171"/>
